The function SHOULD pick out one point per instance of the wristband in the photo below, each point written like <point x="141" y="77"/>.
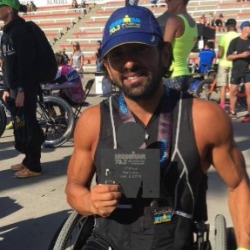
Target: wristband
<point x="242" y="248"/>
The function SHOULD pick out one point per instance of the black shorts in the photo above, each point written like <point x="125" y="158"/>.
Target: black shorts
<point x="238" y="79"/>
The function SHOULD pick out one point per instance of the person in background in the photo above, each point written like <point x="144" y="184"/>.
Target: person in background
<point x="203" y="19"/>
<point x="135" y="58"/>
<point x="77" y="58"/>
<point x="219" y="23"/>
<point x="65" y="56"/>
<point x="182" y="33"/>
<point x="21" y="86"/>
<point x="97" y="57"/>
<point x="68" y="75"/>
<point x="211" y="20"/>
<point x="74" y="4"/>
<point x="131" y="2"/>
<point x="225" y="65"/>
<point x="207" y="57"/>
<point x="239" y="52"/>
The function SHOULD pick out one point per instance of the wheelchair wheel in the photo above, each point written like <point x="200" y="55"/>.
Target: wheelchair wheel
<point x="220" y="233"/>
<point x="202" y="91"/>
<point x="74" y="233"/>
<point x="231" y="241"/>
<point x="57" y="120"/>
<point x="3" y="120"/>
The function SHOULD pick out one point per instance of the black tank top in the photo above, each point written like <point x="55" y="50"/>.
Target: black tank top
<point x="180" y="176"/>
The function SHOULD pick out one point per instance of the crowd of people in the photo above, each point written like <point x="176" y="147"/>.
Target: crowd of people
<point x="217" y="23"/>
<point x="152" y="117"/>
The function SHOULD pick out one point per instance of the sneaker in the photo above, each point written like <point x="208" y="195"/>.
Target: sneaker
<point x="246" y="118"/>
<point x="26" y="173"/>
<point x="232" y="115"/>
<point x="9" y="125"/>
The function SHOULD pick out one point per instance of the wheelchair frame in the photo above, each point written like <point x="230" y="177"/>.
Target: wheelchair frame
<point x="75" y="231"/>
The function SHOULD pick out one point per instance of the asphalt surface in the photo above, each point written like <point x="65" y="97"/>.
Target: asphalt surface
<point x="32" y="210"/>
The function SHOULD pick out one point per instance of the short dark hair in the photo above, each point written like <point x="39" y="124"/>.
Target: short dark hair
<point x="210" y="44"/>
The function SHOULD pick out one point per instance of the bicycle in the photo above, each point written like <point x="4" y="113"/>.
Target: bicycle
<point x="198" y="77"/>
<point x="57" y="129"/>
<point x="55" y="117"/>
<point x="3" y="117"/>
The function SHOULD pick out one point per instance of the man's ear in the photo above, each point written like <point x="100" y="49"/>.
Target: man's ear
<point x="107" y="69"/>
<point x="167" y="55"/>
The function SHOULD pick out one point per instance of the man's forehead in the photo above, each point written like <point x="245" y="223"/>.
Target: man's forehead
<point x="128" y="46"/>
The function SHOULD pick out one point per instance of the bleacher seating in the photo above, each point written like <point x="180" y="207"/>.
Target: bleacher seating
<point x="63" y="25"/>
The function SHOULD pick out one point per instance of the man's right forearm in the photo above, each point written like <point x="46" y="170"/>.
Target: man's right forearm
<point x="78" y="198"/>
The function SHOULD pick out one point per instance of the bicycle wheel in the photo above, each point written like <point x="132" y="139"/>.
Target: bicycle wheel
<point x="3" y="120"/>
<point x="74" y="233"/>
<point x="57" y="120"/>
<point x="220" y="238"/>
<point x="202" y="91"/>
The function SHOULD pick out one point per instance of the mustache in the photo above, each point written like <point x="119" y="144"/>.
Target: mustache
<point x="135" y="69"/>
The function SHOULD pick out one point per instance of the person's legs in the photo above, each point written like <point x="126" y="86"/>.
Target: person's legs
<point x="235" y="81"/>
<point x="247" y="90"/>
<point x="233" y="97"/>
<point x="222" y="79"/>
<point x="246" y="118"/>
<point x="36" y="138"/>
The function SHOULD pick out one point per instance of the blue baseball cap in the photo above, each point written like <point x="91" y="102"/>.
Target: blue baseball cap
<point x="244" y="24"/>
<point x="131" y="24"/>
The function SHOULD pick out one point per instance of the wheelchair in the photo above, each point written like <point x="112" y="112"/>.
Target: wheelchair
<point x="75" y="231"/>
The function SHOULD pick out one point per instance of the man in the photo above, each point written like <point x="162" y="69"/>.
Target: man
<point x="239" y="53"/>
<point x="97" y="57"/>
<point x="148" y="116"/>
<point x="224" y="65"/>
<point x="207" y="57"/>
<point x="180" y="30"/>
<point x="65" y="56"/>
<point x="21" y="87"/>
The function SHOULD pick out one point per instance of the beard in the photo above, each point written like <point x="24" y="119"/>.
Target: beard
<point x="142" y="90"/>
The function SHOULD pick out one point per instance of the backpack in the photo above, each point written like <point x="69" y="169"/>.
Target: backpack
<point x="46" y="66"/>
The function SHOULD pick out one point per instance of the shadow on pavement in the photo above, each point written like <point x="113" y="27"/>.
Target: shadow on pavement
<point x="8" y="206"/>
<point x="35" y="234"/>
<point x="51" y="170"/>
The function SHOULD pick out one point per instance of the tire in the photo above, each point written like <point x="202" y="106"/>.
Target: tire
<point x="74" y="233"/>
<point x="202" y="91"/>
<point x="3" y="120"/>
<point x="231" y="241"/>
<point x="220" y="233"/>
<point x="57" y="128"/>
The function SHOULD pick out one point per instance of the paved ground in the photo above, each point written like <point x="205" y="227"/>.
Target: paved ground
<point x="31" y="210"/>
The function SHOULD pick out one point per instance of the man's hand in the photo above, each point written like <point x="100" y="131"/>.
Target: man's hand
<point x="104" y="198"/>
<point x="245" y="54"/>
<point x="5" y="95"/>
<point x="20" y="99"/>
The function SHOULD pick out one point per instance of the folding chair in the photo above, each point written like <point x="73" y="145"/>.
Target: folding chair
<point x="78" y="107"/>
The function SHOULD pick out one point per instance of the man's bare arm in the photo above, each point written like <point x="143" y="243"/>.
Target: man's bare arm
<point x="230" y="164"/>
<point x="99" y="199"/>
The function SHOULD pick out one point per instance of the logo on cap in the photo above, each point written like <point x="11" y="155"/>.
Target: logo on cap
<point x="123" y="23"/>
